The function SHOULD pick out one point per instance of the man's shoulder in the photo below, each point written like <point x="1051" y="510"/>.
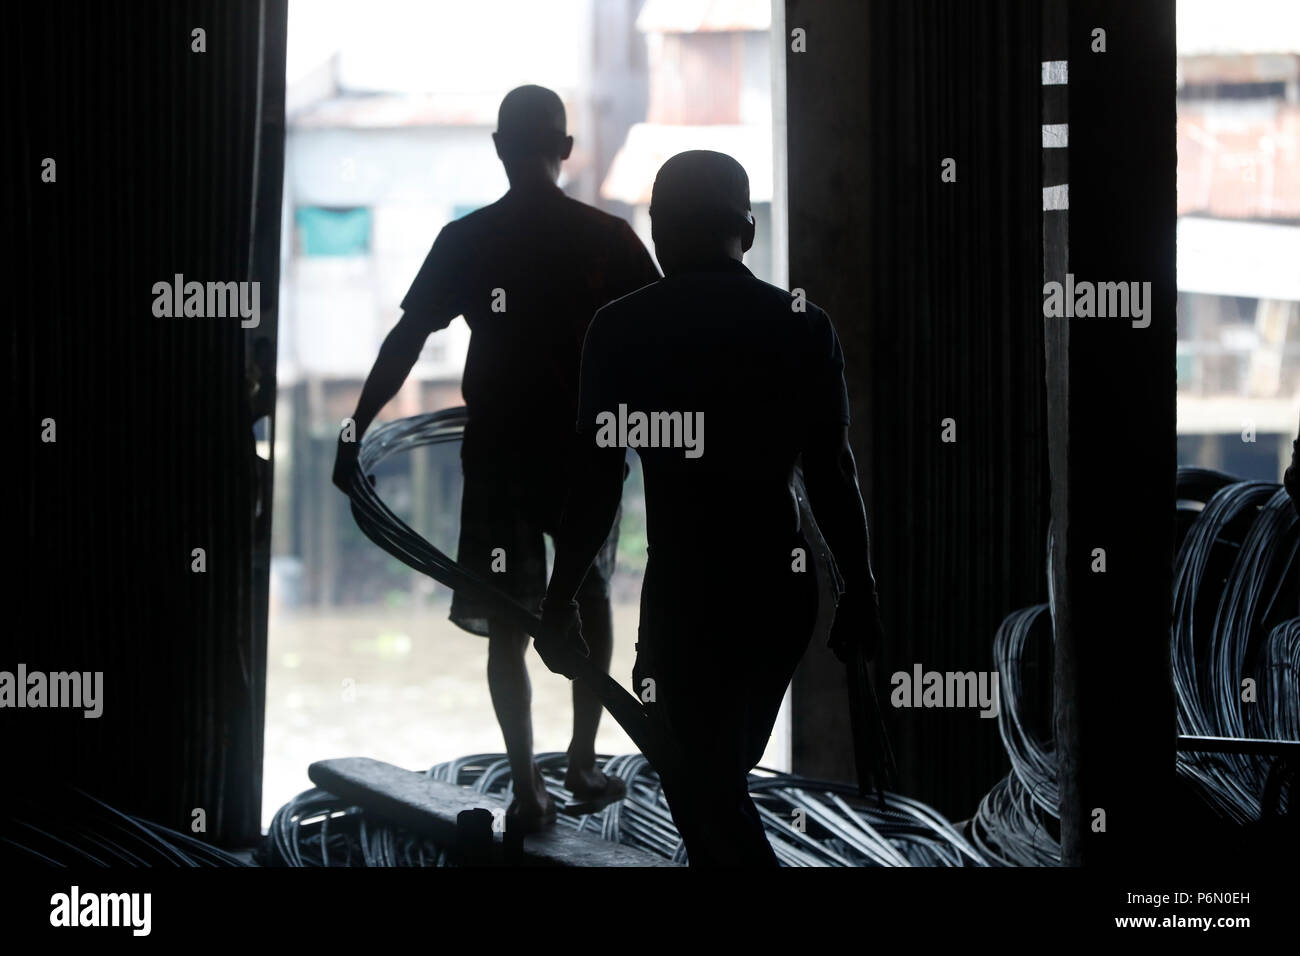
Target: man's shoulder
<point x="458" y="237"/>
<point x="755" y="295"/>
<point x="573" y="217"/>
<point x="483" y="219"/>
<point x="746" y="290"/>
<point x="595" y="223"/>
<point x="793" y="304"/>
<point x="788" y="301"/>
<point x="578" y="209"/>
<point x="618" y="318"/>
<point x="642" y="301"/>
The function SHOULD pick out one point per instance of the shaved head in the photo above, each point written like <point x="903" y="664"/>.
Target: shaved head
<point x="531" y="120"/>
<point x="703" y="192"/>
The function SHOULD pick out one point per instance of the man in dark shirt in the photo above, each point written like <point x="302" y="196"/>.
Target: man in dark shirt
<point x="721" y="382"/>
<point x="527" y="272"/>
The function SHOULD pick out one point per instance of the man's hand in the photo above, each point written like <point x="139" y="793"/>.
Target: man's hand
<point x="560" y="644"/>
<point x="345" y="463"/>
<point x="857" y="628"/>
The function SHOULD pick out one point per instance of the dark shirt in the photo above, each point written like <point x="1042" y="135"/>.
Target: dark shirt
<point x="556" y="261"/>
<point x="720" y="342"/>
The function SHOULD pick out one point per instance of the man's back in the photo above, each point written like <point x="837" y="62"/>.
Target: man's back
<point x="734" y="356"/>
<point x="527" y="272"/>
<point x="720" y="382"/>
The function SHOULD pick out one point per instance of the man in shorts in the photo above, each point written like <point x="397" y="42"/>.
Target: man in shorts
<point x="527" y="272"/>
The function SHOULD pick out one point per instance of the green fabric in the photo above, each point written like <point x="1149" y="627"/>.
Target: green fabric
<point x="333" y="232"/>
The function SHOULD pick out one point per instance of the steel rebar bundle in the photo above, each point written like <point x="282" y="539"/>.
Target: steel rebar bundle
<point x="72" y="828"/>
<point x="1235" y="572"/>
<point x="808" y="822"/>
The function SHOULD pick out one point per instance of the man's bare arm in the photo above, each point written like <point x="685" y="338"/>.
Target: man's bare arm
<point x="396" y="358"/>
<point x="590" y="507"/>
<point x="589" y="511"/>
<point x="831" y="478"/>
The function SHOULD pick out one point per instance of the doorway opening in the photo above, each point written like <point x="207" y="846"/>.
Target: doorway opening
<point x="389" y="111"/>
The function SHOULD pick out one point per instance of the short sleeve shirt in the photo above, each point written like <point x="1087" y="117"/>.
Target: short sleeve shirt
<point x="528" y="273"/>
<point x="755" y="371"/>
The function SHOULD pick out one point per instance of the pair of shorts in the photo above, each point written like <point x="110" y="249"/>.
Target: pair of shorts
<point x="502" y="523"/>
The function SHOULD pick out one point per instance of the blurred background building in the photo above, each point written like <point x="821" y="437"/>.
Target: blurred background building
<point x="1238" y="234"/>
<point x="390" y="110"/>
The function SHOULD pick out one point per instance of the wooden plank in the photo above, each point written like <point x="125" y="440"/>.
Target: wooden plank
<point x="430" y="807"/>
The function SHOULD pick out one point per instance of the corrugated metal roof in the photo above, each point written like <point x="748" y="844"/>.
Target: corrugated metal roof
<point x="1239" y="161"/>
<point x="649" y="145"/>
<point x="700" y="16"/>
<point x="1239" y="68"/>
<point x="399" y="109"/>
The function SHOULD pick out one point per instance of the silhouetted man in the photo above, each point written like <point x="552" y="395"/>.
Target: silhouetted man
<point x="527" y="272"/>
<point x="721" y="382"/>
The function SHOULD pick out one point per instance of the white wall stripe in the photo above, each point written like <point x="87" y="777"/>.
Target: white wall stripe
<point x="1056" y="197"/>
<point x="1056" y="135"/>
<point x="1056" y="72"/>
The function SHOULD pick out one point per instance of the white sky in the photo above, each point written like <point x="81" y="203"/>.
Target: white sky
<point x="439" y="45"/>
<point x="1238" y="26"/>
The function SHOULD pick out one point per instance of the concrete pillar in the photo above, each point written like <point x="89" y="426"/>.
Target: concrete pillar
<point x="1111" y="399"/>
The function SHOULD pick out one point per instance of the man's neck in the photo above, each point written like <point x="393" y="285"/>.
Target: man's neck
<point x="532" y="181"/>
<point x="722" y="262"/>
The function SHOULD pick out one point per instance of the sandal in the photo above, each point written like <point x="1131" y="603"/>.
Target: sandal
<point x="590" y="800"/>
<point x="519" y="821"/>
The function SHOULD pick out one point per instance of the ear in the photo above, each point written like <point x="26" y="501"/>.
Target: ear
<point x="496" y="143"/>
<point x="747" y="236"/>
<point x="568" y="148"/>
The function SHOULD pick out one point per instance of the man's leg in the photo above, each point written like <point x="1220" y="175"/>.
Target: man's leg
<point x="710" y="799"/>
<point x="701" y="701"/>
<point x="721" y="678"/>
<point x="588" y="784"/>
<point x="598" y="632"/>
<point x="774" y="647"/>
<point x="512" y="696"/>
<point x="493" y="516"/>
